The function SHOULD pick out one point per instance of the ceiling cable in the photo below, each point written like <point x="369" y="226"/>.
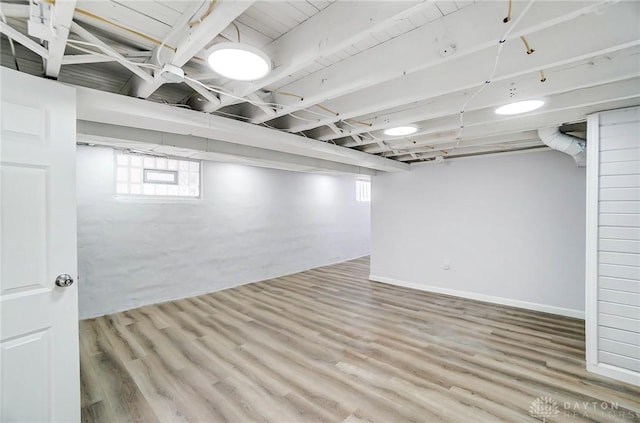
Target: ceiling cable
<point x="288" y="94"/>
<point x="526" y="44"/>
<point x="237" y="30"/>
<point x="204" y="15"/>
<point x="326" y="109"/>
<point x="124" y="28"/>
<point x="508" y="18"/>
<point x="107" y="53"/>
<point x="167" y="38"/>
<point x="542" y="77"/>
<point x="493" y="72"/>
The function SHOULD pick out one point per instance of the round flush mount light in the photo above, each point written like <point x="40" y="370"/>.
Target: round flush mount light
<point x="399" y="131"/>
<point x="238" y="61"/>
<point x="519" y="107"/>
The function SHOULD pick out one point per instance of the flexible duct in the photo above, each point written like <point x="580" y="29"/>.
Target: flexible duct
<point x="564" y="143"/>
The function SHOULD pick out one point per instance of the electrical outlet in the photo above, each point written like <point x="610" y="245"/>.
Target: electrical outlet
<point x="446" y="264"/>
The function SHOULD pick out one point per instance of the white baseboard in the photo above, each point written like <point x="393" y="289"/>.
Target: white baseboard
<point x="624" y="375"/>
<point x="577" y="314"/>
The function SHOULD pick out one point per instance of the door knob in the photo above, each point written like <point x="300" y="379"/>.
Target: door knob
<point x="64" y="280"/>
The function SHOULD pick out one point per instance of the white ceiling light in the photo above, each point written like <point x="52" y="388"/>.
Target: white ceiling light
<point x="238" y="61"/>
<point x="519" y="107"/>
<point x="400" y="131"/>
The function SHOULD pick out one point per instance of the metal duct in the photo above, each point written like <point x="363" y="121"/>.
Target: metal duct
<point x="575" y="147"/>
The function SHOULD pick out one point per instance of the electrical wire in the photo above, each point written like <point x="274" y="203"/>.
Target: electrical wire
<point x="326" y="109"/>
<point x="237" y="30"/>
<point x="117" y="25"/>
<point x="219" y="91"/>
<point x="493" y="72"/>
<point x="542" y="77"/>
<point x="168" y="37"/>
<point x="288" y="94"/>
<point x="359" y="122"/>
<point x="204" y="15"/>
<point x="526" y="44"/>
<point x="508" y="18"/>
<point x="107" y="53"/>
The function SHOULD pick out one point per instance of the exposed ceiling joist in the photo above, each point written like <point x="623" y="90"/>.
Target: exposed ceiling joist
<point x="471" y="30"/>
<point x="14" y="10"/>
<point x="333" y="29"/>
<point x="102" y="107"/>
<point x="346" y="70"/>
<point x="24" y="40"/>
<point x="205" y="149"/>
<point x="568" y="79"/>
<point x="436" y="81"/>
<point x="569" y="107"/>
<point x="194" y="39"/>
<point x="86" y="35"/>
<point x="62" y="15"/>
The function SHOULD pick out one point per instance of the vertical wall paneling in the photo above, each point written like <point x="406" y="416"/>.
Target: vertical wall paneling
<point x="613" y="244"/>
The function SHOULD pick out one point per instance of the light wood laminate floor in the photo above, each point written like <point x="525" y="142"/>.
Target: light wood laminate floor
<point x="329" y="345"/>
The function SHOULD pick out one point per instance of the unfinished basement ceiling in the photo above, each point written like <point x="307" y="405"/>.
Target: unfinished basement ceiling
<point x="343" y="71"/>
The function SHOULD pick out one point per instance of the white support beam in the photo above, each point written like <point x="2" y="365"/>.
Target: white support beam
<point x="79" y="59"/>
<point x="23" y="39"/>
<point x="114" y="109"/>
<point x="259" y="103"/>
<point x="87" y="36"/>
<point x="592" y="71"/>
<point x="61" y="16"/>
<point x="193" y="40"/>
<point x="472" y="29"/>
<point x="205" y="149"/>
<point x="567" y="107"/>
<point x="13" y="10"/>
<point x="439" y="79"/>
<point x="333" y="29"/>
<point x="208" y="95"/>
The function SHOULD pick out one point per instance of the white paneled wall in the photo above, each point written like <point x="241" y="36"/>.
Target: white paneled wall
<point x="613" y="244"/>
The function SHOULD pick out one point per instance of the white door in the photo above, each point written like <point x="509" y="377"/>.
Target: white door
<point x="39" y="371"/>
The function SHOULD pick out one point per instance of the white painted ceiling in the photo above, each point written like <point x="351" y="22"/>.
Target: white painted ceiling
<point x="346" y="70"/>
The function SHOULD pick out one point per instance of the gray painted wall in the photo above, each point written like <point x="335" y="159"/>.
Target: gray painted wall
<point x="251" y="224"/>
<point x="511" y="228"/>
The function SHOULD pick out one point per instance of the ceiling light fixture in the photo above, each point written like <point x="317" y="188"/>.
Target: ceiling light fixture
<point x="399" y="131"/>
<point x="519" y="107"/>
<point x="238" y="61"/>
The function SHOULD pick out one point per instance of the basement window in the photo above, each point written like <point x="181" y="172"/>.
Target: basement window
<point x="363" y="190"/>
<point x="142" y="175"/>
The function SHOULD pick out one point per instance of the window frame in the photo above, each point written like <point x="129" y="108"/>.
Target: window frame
<point x="153" y="197"/>
<point x="360" y="197"/>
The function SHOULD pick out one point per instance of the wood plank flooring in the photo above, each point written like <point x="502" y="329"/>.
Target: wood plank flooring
<point x="328" y="345"/>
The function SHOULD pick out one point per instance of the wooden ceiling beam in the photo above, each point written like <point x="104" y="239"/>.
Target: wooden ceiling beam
<point x="61" y="15"/>
<point x="193" y="38"/>
<point x="472" y="29"/>
<point x="333" y="29"/>
<point x="590" y="71"/>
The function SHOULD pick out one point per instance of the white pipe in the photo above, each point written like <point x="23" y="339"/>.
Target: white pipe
<point x="564" y="143"/>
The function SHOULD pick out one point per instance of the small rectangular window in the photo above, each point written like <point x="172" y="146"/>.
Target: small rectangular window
<point x="160" y="176"/>
<point x="363" y="190"/>
<point x="144" y="175"/>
